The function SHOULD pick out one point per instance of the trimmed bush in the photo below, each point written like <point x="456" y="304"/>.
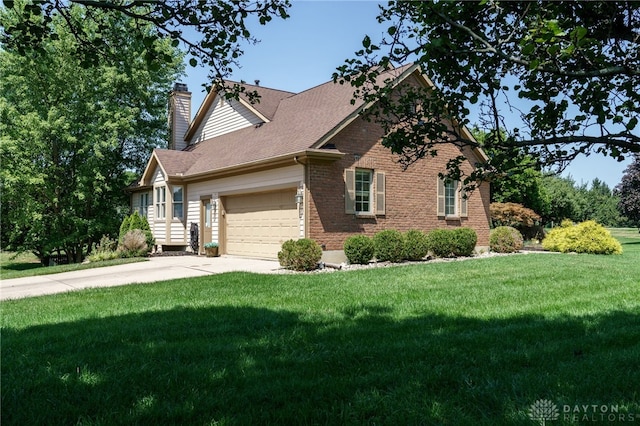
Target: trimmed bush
<point x="415" y="245"/>
<point x="452" y="242"/>
<point x="439" y="243"/>
<point x="464" y="241"/>
<point x="586" y="237"/>
<point x="505" y="239"/>
<point x="389" y="246"/>
<point x="359" y="249"/>
<point x="300" y="255"/>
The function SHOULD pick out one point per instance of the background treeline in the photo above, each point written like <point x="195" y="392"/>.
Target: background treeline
<point x="556" y="198"/>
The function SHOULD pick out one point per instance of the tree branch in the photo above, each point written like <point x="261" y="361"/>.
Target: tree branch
<point x="489" y="48"/>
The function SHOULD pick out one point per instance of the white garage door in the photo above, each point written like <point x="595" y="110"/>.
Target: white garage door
<point x="258" y="224"/>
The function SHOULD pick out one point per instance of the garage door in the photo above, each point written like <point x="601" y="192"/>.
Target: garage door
<point x="258" y="224"/>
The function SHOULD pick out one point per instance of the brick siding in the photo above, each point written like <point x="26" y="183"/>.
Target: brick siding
<point x="411" y="195"/>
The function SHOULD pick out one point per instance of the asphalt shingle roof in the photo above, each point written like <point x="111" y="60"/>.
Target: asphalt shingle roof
<point x="298" y="122"/>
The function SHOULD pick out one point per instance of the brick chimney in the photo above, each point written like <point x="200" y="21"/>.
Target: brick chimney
<point x="179" y="115"/>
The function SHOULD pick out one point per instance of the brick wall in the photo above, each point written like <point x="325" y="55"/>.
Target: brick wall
<point x="411" y="194"/>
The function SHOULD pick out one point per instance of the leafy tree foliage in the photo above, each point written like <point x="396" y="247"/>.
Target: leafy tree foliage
<point x="575" y="66"/>
<point x="520" y="181"/>
<point x="578" y="203"/>
<point x="211" y="31"/>
<point x="629" y="192"/>
<point x="71" y="134"/>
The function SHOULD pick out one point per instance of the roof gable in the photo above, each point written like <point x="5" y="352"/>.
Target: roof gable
<point x="288" y="125"/>
<point x="251" y="113"/>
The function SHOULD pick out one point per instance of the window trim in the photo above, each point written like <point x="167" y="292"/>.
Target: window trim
<point x="160" y="202"/>
<point x="460" y="200"/>
<point x="361" y="193"/>
<point x="175" y="203"/>
<point x="143" y="207"/>
<point x="377" y="188"/>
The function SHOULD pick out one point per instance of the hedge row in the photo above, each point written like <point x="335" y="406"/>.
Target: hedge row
<point x="391" y="245"/>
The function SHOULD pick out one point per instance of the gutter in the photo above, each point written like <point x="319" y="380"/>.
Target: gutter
<point x="300" y="157"/>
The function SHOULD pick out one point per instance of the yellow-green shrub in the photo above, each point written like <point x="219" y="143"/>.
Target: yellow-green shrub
<point x="585" y="237"/>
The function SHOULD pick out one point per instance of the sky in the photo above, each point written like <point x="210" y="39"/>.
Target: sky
<point x="304" y="50"/>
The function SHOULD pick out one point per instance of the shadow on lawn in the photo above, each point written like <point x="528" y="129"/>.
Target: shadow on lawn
<point x="244" y="365"/>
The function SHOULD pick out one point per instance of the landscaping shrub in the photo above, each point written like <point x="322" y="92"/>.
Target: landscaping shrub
<point x="389" y="246"/>
<point x="105" y="250"/>
<point x="135" y="221"/>
<point x="415" y="245"/>
<point x="359" y="249"/>
<point x="439" y="242"/>
<point x="452" y="242"/>
<point x="519" y="217"/>
<point x="463" y="241"/>
<point x="134" y="244"/>
<point x="125" y="227"/>
<point x="505" y="239"/>
<point x="300" y="255"/>
<point x="585" y="237"/>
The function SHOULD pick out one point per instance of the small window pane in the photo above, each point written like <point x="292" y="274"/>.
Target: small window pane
<point x="177" y="202"/>
<point x="450" y="196"/>
<point x="363" y="190"/>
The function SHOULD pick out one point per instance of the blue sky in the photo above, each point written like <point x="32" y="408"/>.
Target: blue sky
<point x="304" y="50"/>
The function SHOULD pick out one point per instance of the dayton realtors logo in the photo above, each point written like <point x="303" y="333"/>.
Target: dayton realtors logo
<point x="544" y="411"/>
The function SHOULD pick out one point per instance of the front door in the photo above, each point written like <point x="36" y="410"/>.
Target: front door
<point x="205" y="223"/>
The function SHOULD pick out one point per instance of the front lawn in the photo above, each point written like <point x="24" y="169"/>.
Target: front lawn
<point x="460" y="343"/>
<point x="21" y="265"/>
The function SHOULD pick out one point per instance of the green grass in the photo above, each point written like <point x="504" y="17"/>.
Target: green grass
<point x="460" y="343"/>
<point x="21" y="265"/>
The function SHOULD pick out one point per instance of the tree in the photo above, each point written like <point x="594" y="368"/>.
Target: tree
<point x="71" y="134"/>
<point x="600" y="204"/>
<point x="521" y="182"/>
<point x="629" y="192"/>
<point x="210" y="30"/>
<point x="570" y="69"/>
<point x="564" y="202"/>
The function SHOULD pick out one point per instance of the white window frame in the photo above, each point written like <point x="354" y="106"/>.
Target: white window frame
<point x="178" y="189"/>
<point x="363" y="195"/>
<point x="143" y="208"/>
<point x="451" y="199"/>
<point x="160" y="199"/>
<point x="376" y="193"/>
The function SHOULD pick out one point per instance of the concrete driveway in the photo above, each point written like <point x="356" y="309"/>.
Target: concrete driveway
<point x="156" y="269"/>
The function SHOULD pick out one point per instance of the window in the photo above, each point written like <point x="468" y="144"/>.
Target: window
<point x="143" y="208"/>
<point x="450" y="197"/>
<point x="161" y="200"/>
<point x="177" y="202"/>
<point x="364" y="192"/>
<point x="452" y="200"/>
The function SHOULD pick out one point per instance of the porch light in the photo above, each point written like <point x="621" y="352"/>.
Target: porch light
<point x="298" y="197"/>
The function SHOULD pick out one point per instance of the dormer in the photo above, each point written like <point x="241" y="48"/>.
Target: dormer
<point x="219" y="115"/>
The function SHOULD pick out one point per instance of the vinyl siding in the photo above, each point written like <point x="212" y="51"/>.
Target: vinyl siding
<point x="223" y="117"/>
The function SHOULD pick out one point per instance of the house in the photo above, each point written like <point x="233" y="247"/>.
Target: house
<point x="294" y="165"/>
